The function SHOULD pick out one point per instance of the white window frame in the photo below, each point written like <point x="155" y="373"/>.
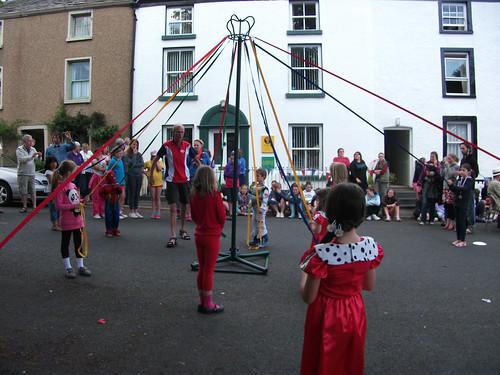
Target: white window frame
<point x="449" y="56"/>
<point x="451" y="140"/>
<point x="1" y="87"/>
<point x="186" y="90"/>
<point x="319" y="63"/>
<point x="316" y="15"/>
<point x="67" y="83"/>
<point x="451" y="25"/>
<point x="181" y="22"/>
<point x="166" y="132"/>
<point x="71" y="18"/>
<point x="319" y="148"/>
<point x="1" y="33"/>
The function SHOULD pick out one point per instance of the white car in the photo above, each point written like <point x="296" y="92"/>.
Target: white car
<point x="8" y="184"/>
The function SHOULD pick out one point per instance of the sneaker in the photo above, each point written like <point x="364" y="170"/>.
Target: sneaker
<point x="123" y="216"/>
<point x="84" y="271"/>
<point x="292" y="216"/>
<point x="421" y="222"/>
<point x="265" y="241"/>
<point x="375" y="217"/>
<point x="97" y="216"/>
<point x="133" y="215"/>
<point x="70" y="274"/>
<point x="108" y="234"/>
<point x="387" y="219"/>
<point x="254" y="242"/>
<point x="139" y="216"/>
<point x="369" y="218"/>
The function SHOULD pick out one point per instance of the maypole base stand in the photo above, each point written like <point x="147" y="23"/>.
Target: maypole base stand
<point x="234" y="262"/>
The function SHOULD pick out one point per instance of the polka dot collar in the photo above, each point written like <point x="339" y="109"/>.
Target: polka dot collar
<point x="336" y="254"/>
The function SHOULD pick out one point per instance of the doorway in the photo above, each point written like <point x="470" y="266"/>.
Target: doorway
<point x="39" y="134"/>
<point x="225" y="146"/>
<point x="398" y="158"/>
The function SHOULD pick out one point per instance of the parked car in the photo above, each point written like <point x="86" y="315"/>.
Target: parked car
<point x="8" y="183"/>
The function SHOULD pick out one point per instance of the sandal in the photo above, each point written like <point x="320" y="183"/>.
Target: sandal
<point x="184" y="235"/>
<point x="172" y="242"/>
<point x="210" y="310"/>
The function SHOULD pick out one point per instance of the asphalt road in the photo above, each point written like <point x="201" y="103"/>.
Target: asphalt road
<point x="425" y="316"/>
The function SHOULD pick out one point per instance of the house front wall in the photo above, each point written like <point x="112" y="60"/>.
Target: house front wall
<point x="33" y="59"/>
<point x="389" y="47"/>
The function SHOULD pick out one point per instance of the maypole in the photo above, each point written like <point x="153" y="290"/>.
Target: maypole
<point x="233" y="256"/>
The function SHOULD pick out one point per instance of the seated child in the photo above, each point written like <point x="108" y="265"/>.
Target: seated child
<point x="372" y="203"/>
<point x="309" y="194"/>
<point x="259" y="232"/>
<point x="391" y="205"/>
<point x="110" y="191"/>
<point x="277" y="200"/>
<point x="243" y="201"/>
<point x="295" y="202"/>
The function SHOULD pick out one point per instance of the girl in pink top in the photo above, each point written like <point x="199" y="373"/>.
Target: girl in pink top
<point x="71" y="221"/>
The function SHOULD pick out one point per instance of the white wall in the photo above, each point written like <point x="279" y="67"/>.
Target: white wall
<point x="390" y="47"/>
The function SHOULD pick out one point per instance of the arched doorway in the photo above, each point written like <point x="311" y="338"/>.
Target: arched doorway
<point x="209" y="132"/>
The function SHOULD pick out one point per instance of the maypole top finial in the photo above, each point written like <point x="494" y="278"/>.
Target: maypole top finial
<point x="240" y="28"/>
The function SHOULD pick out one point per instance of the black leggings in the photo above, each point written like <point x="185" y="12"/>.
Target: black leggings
<point x="449" y="211"/>
<point x="65" y="238"/>
<point x="461" y="220"/>
<point x="372" y="210"/>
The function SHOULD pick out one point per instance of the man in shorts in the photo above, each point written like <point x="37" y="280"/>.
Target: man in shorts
<point x="26" y="155"/>
<point x="176" y="152"/>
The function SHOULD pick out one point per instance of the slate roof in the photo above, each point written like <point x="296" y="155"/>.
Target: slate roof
<point x="20" y="8"/>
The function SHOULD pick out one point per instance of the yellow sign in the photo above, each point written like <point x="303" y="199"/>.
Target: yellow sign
<point x="266" y="144"/>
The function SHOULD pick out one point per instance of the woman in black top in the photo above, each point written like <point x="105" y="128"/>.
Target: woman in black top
<point x="462" y="189"/>
<point x="357" y="171"/>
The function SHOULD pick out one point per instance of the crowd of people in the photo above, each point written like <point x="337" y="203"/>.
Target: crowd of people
<point x="336" y="267"/>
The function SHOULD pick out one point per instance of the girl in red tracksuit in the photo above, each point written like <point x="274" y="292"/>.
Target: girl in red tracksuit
<point x="209" y="215"/>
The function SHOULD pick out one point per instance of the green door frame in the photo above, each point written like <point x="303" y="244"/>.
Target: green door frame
<point x="211" y="120"/>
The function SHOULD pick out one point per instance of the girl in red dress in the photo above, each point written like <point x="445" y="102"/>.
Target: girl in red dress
<point x="335" y="273"/>
<point x="209" y="215"/>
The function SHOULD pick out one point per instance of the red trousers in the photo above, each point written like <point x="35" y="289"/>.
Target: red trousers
<point x="97" y="200"/>
<point x="207" y="250"/>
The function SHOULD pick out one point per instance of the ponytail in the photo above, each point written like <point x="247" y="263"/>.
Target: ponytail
<point x="65" y="169"/>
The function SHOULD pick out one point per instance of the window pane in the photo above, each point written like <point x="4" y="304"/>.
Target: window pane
<point x="298" y="24"/>
<point x="310" y="24"/>
<point x="456" y="67"/>
<point x="186" y="14"/>
<point x="310" y="9"/>
<point x="173" y="61"/>
<point x="174" y="28"/>
<point x="299" y="159"/>
<point x="312" y="137"/>
<point x="298" y="137"/>
<point x="298" y="9"/>
<point x="311" y="55"/>
<point x="187" y="28"/>
<point x="456" y="87"/>
<point x="313" y="159"/>
<point x="81" y="26"/>
<point x="299" y="51"/>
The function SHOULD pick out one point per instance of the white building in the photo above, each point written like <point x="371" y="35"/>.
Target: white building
<point x="435" y="58"/>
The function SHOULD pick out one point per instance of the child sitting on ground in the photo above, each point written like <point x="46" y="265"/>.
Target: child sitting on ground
<point x="243" y="201"/>
<point x="372" y="203"/>
<point x="391" y="205"/>
<point x="295" y="202"/>
<point x="309" y="194"/>
<point x="259" y="232"/>
<point x="110" y="191"/>
<point x="277" y="200"/>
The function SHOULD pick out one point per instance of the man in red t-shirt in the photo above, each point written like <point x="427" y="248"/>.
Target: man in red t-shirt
<point x="340" y="158"/>
<point x="176" y="152"/>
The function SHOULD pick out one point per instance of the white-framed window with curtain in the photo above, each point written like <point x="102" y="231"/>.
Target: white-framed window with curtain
<point x="168" y="129"/>
<point x="308" y="76"/>
<point x="461" y="128"/>
<point x="304" y="15"/>
<point x="179" y="20"/>
<point x="78" y="80"/>
<point x="175" y="63"/>
<point x="80" y="25"/>
<point x="306" y="141"/>
<point x="454" y="16"/>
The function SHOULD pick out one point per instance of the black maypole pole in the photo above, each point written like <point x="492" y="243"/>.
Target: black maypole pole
<point x="234" y="257"/>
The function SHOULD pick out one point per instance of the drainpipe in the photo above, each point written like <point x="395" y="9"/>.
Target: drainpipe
<point x="132" y="68"/>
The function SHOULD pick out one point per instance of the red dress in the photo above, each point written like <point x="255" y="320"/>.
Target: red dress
<point x="335" y="328"/>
